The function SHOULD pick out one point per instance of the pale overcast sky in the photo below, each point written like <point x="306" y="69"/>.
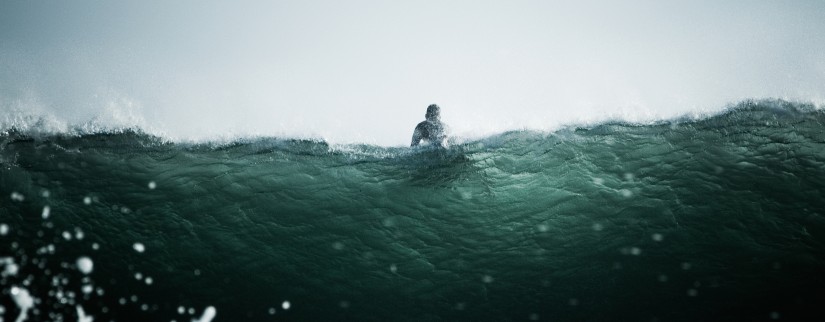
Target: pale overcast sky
<point x="364" y="71"/>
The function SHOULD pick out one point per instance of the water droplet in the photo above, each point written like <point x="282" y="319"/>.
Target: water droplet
<point x="286" y="305"/>
<point x="15" y="196"/>
<point x="85" y="264"/>
<point x="139" y="247"/>
<point x="152" y="185"/>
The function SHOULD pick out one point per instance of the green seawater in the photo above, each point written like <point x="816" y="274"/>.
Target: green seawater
<point x="715" y="219"/>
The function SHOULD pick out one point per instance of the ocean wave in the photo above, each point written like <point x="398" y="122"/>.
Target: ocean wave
<point x="683" y="220"/>
<point x="18" y="126"/>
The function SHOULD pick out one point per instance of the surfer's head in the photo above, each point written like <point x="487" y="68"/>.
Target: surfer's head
<point x="433" y="112"/>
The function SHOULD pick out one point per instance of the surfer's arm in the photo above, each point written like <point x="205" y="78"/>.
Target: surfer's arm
<point x="416" y="138"/>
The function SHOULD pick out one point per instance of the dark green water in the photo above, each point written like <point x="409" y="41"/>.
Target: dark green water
<point x="721" y="218"/>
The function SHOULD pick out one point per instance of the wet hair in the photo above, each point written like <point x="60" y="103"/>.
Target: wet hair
<point x="433" y="111"/>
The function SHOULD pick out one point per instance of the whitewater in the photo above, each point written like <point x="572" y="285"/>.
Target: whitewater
<point x="718" y="217"/>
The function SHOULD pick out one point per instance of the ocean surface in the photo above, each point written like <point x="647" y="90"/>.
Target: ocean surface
<point x="718" y="218"/>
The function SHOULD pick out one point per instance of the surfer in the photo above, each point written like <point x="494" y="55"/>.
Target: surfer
<point x="432" y="129"/>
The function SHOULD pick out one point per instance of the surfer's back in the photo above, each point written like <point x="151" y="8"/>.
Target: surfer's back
<point x="432" y="129"/>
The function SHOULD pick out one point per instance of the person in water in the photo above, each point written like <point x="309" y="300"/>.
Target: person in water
<point x="432" y="129"/>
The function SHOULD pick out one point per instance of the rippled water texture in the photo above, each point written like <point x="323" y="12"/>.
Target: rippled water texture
<point x="720" y="218"/>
